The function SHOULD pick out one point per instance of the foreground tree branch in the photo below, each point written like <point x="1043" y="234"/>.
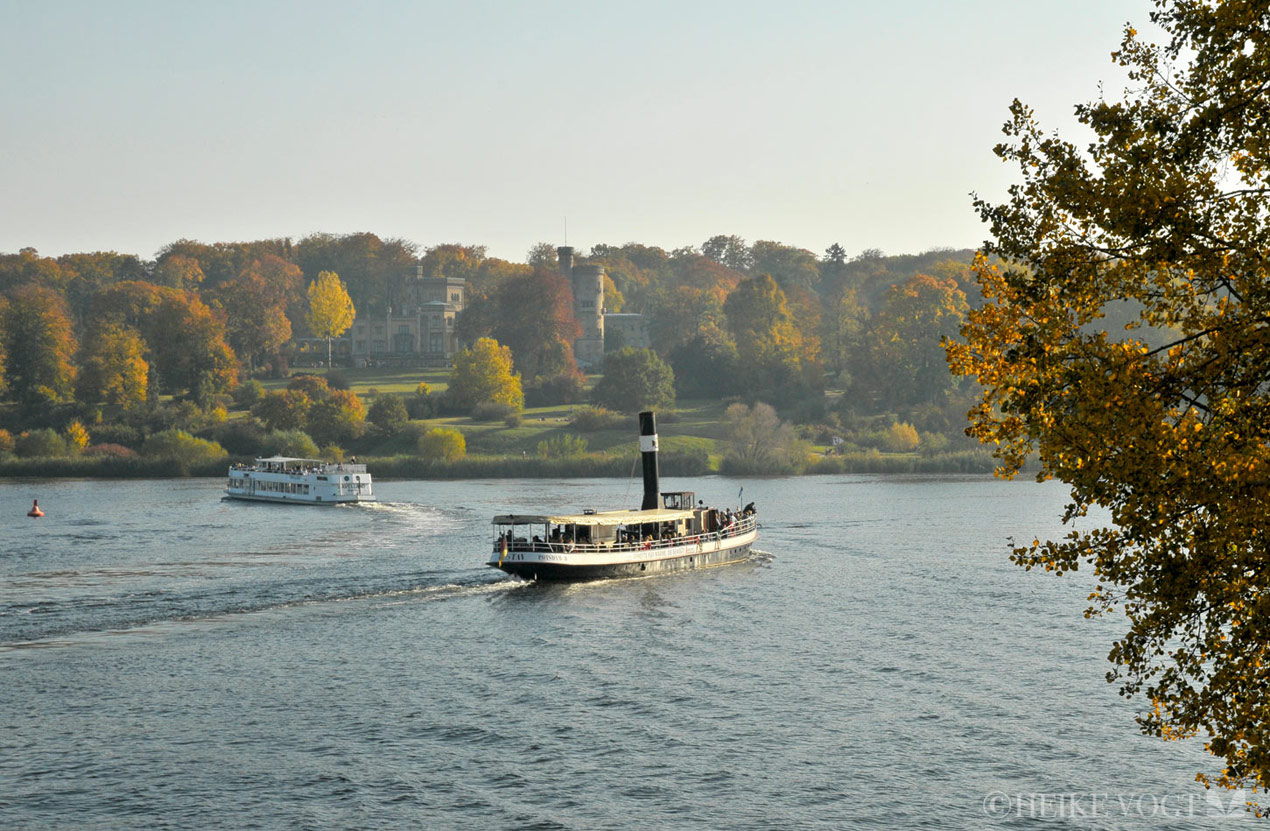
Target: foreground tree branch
<point x="1166" y="210"/>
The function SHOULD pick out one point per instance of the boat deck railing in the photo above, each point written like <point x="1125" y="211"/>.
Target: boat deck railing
<point x="741" y="525"/>
<point x="327" y="468"/>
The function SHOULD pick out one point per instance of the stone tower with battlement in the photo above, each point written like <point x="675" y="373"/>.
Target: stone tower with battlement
<point x="587" y="282"/>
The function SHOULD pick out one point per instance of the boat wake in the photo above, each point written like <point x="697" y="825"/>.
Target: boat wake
<point x="51" y="623"/>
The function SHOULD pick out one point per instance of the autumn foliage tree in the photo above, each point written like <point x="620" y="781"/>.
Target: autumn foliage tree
<point x="185" y="340"/>
<point x="113" y="368"/>
<point x="532" y="315"/>
<point x="767" y="343"/>
<point x="331" y="310"/>
<point x="255" y="302"/>
<point x="482" y="374"/>
<point x="39" y="345"/>
<point x="901" y="359"/>
<point x="1165" y="209"/>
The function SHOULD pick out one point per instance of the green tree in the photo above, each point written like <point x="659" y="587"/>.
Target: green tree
<point x="39" y="344"/>
<point x="442" y="444"/>
<point x="842" y="326"/>
<point x="373" y="271"/>
<point x="338" y="416"/>
<point x="331" y="310"/>
<point x="790" y="267"/>
<point x="181" y="446"/>
<point x="563" y="446"/>
<point x="634" y="380"/>
<point x="4" y="355"/>
<point x="767" y="343"/>
<point x="44" y="441"/>
<point x="293" y="442"/>
<point x="283" y="409"/>
<point x="483" y="373"/>
<point x="902" y="360"/>
<point x="388" y="414"/>
<point x="732" y="251"/>
<point x="1165" y="208"/>
<point x="706" y="367"/>
<point x="759" y="442"/>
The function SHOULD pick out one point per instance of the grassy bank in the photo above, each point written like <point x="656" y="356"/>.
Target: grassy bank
<point x="98" y="467"/>
<point x="672" y="463"/>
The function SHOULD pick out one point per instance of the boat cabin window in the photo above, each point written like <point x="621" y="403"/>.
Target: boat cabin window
<point x="678" y="500"/>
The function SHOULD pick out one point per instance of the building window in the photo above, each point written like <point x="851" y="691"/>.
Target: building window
<point x="588" y="304"/>
<point x="435" y="342"/>
<point x="455" y="297"/>
<point x="403" y="330"/>
<point x="436" y="321"/>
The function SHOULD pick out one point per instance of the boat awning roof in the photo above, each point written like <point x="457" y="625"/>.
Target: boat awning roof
<point x="281" y="460"/>
<point x="599" y="518"/>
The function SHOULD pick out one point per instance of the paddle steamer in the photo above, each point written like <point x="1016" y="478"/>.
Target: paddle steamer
<point x="669" y="532"/>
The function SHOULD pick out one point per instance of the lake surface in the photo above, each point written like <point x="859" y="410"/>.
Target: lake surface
<point x="172" y="660"/>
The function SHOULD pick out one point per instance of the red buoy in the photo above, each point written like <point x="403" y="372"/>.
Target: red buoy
<point x="35" y="509"/>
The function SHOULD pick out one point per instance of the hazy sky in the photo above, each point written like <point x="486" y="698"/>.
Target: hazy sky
<point x="128" y="125"/>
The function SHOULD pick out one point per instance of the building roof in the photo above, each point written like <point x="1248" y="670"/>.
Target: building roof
<point x="599" y="518"/>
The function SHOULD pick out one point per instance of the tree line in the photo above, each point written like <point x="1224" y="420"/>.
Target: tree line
<point x="104" y="337"/>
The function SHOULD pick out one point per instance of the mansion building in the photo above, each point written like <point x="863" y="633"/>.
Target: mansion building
<point x="420" y="330"/>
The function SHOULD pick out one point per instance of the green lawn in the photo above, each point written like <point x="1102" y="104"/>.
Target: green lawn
<point x="381" y="379"/>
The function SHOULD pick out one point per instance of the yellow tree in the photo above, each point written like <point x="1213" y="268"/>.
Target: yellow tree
<point x="1163" y="211"/>
<point x="40" y="344"/>
<point x="331" y="310"/>
<point x="113" y="369"/>
<point x="483" y="373"/>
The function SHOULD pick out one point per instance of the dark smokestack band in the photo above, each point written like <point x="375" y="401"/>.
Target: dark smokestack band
<point x="648" y="452"/>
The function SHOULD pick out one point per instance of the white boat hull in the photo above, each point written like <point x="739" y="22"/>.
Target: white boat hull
<point x="300" y="482"/>
<point x="556" y="562"/>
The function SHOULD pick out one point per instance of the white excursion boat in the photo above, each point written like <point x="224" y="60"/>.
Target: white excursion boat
<point x="302" y="481"/>
<point x="667" y="534"/>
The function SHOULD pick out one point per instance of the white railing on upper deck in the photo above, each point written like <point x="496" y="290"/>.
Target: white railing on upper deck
<point x="740" y="526"/>
<point x="344" y="467"/>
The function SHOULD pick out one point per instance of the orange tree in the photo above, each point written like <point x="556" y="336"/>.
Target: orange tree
<point x="40" y="346"/>
<point x="1164" y="425"/>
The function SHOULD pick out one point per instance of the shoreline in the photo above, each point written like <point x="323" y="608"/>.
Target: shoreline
<point x="586" y="467"/>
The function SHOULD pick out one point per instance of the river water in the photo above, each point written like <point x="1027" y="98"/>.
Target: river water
<point x="172" y="660"/>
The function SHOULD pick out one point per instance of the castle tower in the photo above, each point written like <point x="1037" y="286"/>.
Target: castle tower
<point x="588" y="308"/>
<point x="587" y="282"/>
